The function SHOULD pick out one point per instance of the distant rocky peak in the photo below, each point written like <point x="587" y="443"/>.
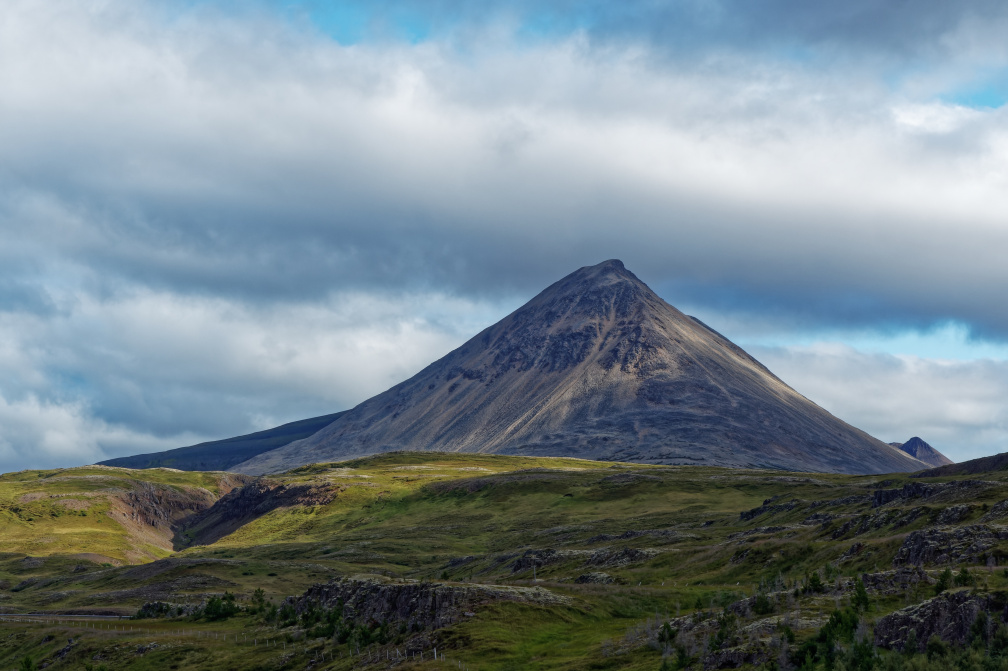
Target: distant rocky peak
<point x="919" y="449"/>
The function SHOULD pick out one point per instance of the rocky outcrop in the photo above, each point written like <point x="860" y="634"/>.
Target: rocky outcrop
<point x="955" y="514"/>
<point x="155" y="609"/>
<point x="964" y="545"/>
<point x="896" y="582"/>
<point x="998" y="511"/>
<point x="948" y="615"/>
<point x="895" y="518"/>
<point x="768" y="507"/>
<point x="542" y="558"/>
<point x="663" y="534"/>
<point x="595" y="578"/>
<point x="603" y="557"/>
<point x="418" y="605"/>
<point x="613" y="557"/>
<point x="946" y="491"/>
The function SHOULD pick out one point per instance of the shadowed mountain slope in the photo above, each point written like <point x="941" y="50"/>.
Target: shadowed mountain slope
<point x="991" y="464"/>
<point x="598" y="366"/>
<point x="220" y="455"/>
<point x="920" y="450"/>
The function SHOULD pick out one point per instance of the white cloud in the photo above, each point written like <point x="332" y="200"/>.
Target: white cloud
<point x="152" y="371"/>
<point x="37" y="434"/>
<point x="956" y="406"/>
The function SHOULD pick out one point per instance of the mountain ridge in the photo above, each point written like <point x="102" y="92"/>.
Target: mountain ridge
<point x="598" y="366"/>
<point x="219" y="455"/>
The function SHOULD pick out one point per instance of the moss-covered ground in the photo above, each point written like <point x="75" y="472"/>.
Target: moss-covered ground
<point x="672" y="539"/>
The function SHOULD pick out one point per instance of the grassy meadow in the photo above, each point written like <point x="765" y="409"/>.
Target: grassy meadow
<point x="626" y="547"/>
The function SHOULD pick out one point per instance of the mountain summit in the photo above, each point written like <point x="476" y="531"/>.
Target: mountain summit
<point x="920" y="450"/>
<point x="598" y="366"/>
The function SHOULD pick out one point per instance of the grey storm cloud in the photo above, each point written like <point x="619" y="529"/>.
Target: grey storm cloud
<point x="214" y="221"/>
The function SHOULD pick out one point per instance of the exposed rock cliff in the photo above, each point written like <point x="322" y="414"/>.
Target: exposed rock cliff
<point x="948" y="615"/>
<point x="418" y="605"/>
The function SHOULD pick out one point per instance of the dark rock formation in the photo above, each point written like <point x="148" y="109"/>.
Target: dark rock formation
<point x="948" y="615"/>
<point x="963" y="545"/>
<point x="896" y="582"/>
<point x="417" y="605"/>
<point x="598" y="366"/>
<point x="747" y="515"/>
<point x="156" y="609"/>
<point x="595" y="578"/>
<point x="612" y="557"/>
<point x="955" y="514"/>
<point x="943" y="491"/>
<point x="896" y="518"/>
<point x="998" y="511"/>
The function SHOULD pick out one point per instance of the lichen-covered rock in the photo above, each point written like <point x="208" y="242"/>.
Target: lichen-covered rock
<point x="955" y="514"/>
<point x="970" y="544"/>
<point x="545" y="557"/>
<point x="852" y="551"/>
<point x="595" y="578"/>
<point x="417" y="605"/>
<point x="896" y="582"/>
<point x="155" y="609"/>
<point x="769" y="506"/>
<point x="948" y="615"/>
<point x="931" y="491"/>
<point x="620" y="557"/>
<point x="733" y="658"/>
<point x="894" y="518"/>
<point x="998" y="511"/>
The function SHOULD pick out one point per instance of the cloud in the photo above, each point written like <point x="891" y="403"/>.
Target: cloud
<point x="241" y="158"/>
<point x="35" y="434"/>
<point x="152" y="371"/>
<point x="956" y="406"/>
<point x="215" y="218"/>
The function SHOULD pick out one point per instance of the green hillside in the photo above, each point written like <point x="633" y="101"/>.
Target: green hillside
<point x="634" y="566"/>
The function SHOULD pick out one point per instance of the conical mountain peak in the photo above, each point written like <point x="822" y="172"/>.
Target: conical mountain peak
<point x="919" y="449"/>
<point x="598" y="366"/>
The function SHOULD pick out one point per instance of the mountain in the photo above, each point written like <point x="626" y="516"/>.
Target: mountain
<point x="220" y="455"/>
<point x="921" y="451"/>
<point x="598" y="366"/>
<point x="991" y="464"/>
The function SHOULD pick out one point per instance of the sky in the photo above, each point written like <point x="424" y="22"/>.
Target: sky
<point x="219" y="216"/>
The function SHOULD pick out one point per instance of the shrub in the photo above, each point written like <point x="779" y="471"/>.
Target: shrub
<point x="220" y="608"/>
<point x="936" y="647"/>
<point x="860" y="600"/>
<point x="814" y="583"/>
<point x="944" y="582"/>
<point x="763" y="605"/>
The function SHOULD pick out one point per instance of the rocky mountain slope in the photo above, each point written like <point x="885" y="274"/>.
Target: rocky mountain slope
<point x="598" y="366"/>
<point x="920" y="450"/>
<point x="219" y="455"/>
